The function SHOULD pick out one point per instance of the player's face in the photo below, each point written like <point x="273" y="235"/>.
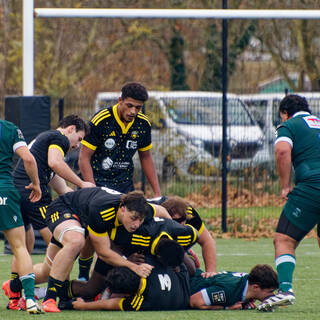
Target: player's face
<point x="75" y="138"/>
<point x="284" y="116"/>
<point x="262" y="294"/>
<point x="130" y="220"/>
<point x="128" y="109"/>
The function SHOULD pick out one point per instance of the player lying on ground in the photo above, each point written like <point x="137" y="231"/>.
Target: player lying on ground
<point x="166" y="288"/>
<point x="232" y="290"/>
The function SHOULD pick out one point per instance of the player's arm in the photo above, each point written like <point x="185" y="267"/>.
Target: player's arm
<point x="161" y="212"/>
<point x="102" y="246"/>
<point x="208" y="247"/>
<point x="31" y="168"/>
<point x="149" y="170"/>
<point x="283" y="162"/>
<point x="59" y="166"/>
<point x="85" y="155"/>
<point x="197" y="302"/>
<point x="108" y="304"/>
<point x="59" y="185"/>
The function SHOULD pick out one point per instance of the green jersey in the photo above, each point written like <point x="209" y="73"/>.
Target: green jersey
<point x="302" y="132"/>
<point x="223" y="289"/>
<point x="11" y="138"/>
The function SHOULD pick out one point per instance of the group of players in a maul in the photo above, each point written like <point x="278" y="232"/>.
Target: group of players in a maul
<point x="140" y="247"/>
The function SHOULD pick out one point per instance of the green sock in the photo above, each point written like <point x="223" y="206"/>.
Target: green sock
<point x="84" y="267"/>
<point x="28" y="285"/>
<point x="285" y="265"/>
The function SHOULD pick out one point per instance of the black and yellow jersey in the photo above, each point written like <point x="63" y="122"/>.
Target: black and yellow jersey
<point x="164" y="289"/>
<point x="114" y="146"/>
<point x="39" y="147"/>
<point x="145" y="239"/>
<point x="192" y="216"/>
<point x="95" y="208"/>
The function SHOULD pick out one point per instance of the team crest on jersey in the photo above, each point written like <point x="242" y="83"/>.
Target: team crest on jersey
<point x="67" y="215"/>
<point x="134" y="134"/>
<point x="109" y="143"/>
<point x="312" y="121"/>
<point x="218" y="297"/>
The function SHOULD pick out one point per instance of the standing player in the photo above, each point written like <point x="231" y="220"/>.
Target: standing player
<point x="105" y="158"/>
<point x="49" y="149"/>
<point x="116" y="133"/>
<point x="297" y="144"/>
<point x="12" y="140"/>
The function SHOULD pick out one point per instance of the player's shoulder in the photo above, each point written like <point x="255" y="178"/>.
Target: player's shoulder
<point x="143" y="118"/>
<point x="101" y="117"/>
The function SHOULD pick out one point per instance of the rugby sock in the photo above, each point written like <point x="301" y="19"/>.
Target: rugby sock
<point x="28" y="285"/>
<point x="285" y="265"/>
<point x="15" y="283"/>
<point x="54" y="287"/>
<point x="84" y="267"/>
<point x="66" y="292"/>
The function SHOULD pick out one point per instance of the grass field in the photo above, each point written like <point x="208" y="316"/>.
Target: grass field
<point x="233" y="255"/>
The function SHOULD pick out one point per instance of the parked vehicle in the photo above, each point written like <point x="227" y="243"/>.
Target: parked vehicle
<point x="187" y="132"/>
<point x="264" y="108"/>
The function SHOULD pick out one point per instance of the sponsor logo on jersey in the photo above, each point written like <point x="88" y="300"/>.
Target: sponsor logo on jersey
<point x="20" y="134"/>
<point x="107" y="163"/>
<point x="109" y="143"/>
<point x="312" y="122"/>
<point x="131" y="144"/>
<point x="218" y="297"/>
<point x="134" y="134"/>
<point x="112" y="134"/>
<point x="15" y="218"/>
<point x="67" y="215"/>
<point x="121" y="165"/>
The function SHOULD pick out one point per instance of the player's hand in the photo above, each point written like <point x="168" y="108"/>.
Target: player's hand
<point x="207" y="274"/>
<point x="136" y="258"/>
<point x="236" y="306"/>
<point x="248" y="305"/>
<point x="143" y="270"/>
<point x="87" y="184"/>
<point x="35" y="194"/>
<point x="79" y="304"/>
<point x="285" y="192"/>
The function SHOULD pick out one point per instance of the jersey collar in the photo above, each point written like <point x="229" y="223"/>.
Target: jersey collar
<point x="299" y="113"/>
<point x="124" y="128"/>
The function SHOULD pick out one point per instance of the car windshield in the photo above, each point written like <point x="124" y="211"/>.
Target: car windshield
<point x="206" y="111"/>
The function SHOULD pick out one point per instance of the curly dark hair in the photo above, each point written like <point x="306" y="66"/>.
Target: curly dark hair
<point x="293" y="103"/>
<point x="135" y="91"/>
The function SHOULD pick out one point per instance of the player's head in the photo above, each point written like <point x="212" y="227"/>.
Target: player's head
<point x="122" y="280"/>
<point x="169" y="252"/>
<point x="74" y="128"/>
<point x="133" y="210"/>
<point x="263" y="281"/>
<point x="177" y="208"/>
<point x="133" y="96"/>
<point x="293" y="103"/>
<point x="135" y="91"/>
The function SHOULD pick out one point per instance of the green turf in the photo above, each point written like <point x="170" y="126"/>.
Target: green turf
<point x="233" y="255"/>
